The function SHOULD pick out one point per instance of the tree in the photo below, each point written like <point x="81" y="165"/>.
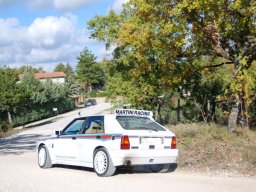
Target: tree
<point x="147" y="52"/>
<point x="163" y="38"/>
<point x="10" y="92"/>
<point x="24" y="68"/>
<point x="50" y="92"/>
<point x="60" y="68"/>
<point x="73" y="86"/>
<point x="67" y="69"/>
<point x="88" y="70"/>
<point x="29" y="85"/>
<point x="226" y="29"/>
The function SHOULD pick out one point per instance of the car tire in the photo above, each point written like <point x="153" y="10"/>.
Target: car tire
<point x="163" y="168"/>
<point x="44" y="159"/>
<point x="102" y="163"/>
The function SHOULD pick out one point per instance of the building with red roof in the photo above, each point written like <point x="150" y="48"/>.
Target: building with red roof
<point x="56" y="77"/>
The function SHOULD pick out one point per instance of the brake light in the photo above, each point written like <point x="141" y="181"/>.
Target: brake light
<point x="125" y="143"/>
<point x="173" y="145"/>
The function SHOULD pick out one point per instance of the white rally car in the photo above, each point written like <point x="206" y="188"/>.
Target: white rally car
<point x="104" y="142"/>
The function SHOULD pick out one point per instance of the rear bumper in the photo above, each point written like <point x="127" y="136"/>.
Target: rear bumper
<point x="143" y="157"/>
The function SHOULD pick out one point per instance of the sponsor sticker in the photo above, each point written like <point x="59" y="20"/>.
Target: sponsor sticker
<point x="133" y="112"/>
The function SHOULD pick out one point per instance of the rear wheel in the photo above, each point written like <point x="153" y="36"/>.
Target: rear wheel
<point x="102" y="163"/>
<point x="44" y="159"/>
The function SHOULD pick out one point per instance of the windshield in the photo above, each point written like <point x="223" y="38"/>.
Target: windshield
<point x="138" y="123"/>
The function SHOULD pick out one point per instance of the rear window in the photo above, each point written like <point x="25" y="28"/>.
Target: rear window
<point x="138" y="123"/>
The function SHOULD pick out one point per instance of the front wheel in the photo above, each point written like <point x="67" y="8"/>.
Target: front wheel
<point x="102" y="163"/>
<point x="44" y="159"/>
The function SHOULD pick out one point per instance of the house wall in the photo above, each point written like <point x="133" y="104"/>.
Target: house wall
<point x="60" y="80"/>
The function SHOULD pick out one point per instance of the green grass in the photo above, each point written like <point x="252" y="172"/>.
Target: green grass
<point x="212" y="147"/>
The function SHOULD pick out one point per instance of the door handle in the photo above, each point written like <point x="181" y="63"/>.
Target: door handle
<point x="73" y="138"/>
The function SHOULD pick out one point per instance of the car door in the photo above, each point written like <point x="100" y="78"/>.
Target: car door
<point x="65" y="145"/>
<point x="90" y="138"/>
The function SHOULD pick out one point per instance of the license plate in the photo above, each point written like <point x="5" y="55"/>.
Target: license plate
<point x="151" y="140"/>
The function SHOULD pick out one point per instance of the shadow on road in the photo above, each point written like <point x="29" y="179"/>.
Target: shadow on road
<point x="123" y="170"/>
<point x="43" y="122"/>
<point x="39" y="124"/>
<point x="19" y="144"/>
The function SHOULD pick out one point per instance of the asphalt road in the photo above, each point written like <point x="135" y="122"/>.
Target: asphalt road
<point x="19" y="170"/>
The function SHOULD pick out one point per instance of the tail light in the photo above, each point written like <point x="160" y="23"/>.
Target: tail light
<point x="173" y="145"/>
<point x="125" y="143"/>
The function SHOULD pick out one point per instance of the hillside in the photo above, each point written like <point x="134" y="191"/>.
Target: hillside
<point x="212" y="148"/>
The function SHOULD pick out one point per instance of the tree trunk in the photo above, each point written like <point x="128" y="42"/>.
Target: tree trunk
<point x="178" y="111"/>
<point x="233" y="119"/>
<point x="208" y="110"/>
<point x="213" y="111"/>
<point x="247" y="117"/>
<point x="9" y="116"/>
<point x="158" y="113"/>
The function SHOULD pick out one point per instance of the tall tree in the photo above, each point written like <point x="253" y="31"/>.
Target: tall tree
<point x="10" y="92"/>
<point x="73" y="86"/>
<point x="67" y="69"/>
<point x="148" y="55"/>
<point x="88" y="70"/>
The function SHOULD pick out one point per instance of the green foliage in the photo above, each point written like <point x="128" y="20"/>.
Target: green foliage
<point x="5" y="126"/>
<point x="88" y="71"/>
<point x="25" y="68"/>
<point x="59" y="68"/>
<point x="37" y="111"/>
<point x="144" y="64"/>
<point x="10" y="93"/>
<point x="160" y="46"/>
<point x="50" y="92"/>
<point x="106" y="28"/>
<point x="103" y="94"/>
<point x="29" y="85"/>
<point x="93" y="93"/>
<point x="29" y="99"/>
<point x="67" y="69"/>
<point x="73" y="86"/>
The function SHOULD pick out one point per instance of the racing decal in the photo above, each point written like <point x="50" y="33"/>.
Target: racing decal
<point x="132" y="112"/>
<point x="86" y="136"/>
<point x="106" y="136"/>
<point x="100" y="137"/>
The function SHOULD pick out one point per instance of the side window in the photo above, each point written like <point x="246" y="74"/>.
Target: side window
<point x="74" y="128"/>
<point x="94" y="125"/>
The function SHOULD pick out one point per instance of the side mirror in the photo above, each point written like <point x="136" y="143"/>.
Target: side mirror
<point x="58" y="133"/>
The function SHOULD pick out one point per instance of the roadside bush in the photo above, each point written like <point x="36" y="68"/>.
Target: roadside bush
<point x="93" y="93"/>
<point x="25" y="115"/>
<point x="5" y="126"/>
<point x="102" y="94"/>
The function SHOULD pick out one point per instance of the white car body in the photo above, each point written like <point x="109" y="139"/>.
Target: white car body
<point x="144" y="146"/>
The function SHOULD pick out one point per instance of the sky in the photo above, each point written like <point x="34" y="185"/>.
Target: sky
<point x="43" y="33"/>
